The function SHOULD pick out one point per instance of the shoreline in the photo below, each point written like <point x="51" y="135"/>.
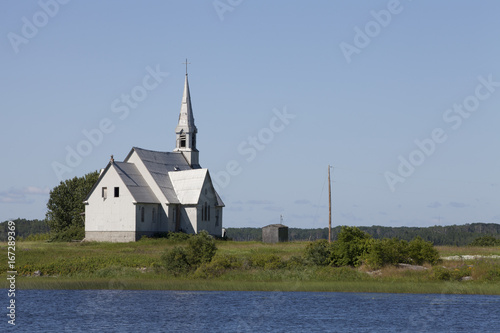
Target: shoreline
<point x="396" y="287"/>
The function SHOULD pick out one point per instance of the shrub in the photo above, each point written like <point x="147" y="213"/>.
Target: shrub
<point x="175" y="261"/>
<point x="178" y="236"/>
<point x="486" y="241"/>
<point x="34" y="237"/>
<point x="352" y="244"/>
<point x="295" y="262"/>
<point x="200" y="249"/>
<point x="318" y="252"/>
<point x="218" y="266"/>
<point x="420" y="251"/>
<point x="386" y="251"/>
<point x="67" y="235"/>
<point x="266" y="261"/>
<point x="454" y="274"/>
<point x="441" y="273"/>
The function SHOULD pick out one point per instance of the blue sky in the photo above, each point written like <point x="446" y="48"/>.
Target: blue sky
<point x="401" y="97"/>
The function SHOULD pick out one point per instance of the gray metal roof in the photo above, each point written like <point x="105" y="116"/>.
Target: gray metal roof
<point x="279" y="226"/>
<point x="159" y="164"/>
<point x="130" y="175"/>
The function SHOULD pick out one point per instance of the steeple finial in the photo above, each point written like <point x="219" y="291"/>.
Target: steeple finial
<point x="186" y="63"/>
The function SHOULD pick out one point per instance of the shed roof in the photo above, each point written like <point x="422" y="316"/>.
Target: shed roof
<point x="275" y="226"/>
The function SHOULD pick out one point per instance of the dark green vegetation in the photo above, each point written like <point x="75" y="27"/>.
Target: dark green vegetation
<point x="355" y="247"/>
<point x="154" y="264"/>
<point x="457" y="235"/>
<point x="486" y="241"/>
<point x="25" y="228"/>
<point x="65" y="207"/>
<point x="200" y="249"/>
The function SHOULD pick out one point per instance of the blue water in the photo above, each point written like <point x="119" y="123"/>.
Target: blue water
<point x="228" y="311"/>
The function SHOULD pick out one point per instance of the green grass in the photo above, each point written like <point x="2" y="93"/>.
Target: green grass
<point x="138" y="266"/>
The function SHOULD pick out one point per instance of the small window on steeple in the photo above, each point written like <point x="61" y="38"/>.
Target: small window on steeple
<point x="183" y="141"/>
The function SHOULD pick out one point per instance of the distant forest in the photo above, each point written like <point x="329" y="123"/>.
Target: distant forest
<point x="24" y="228"/>
<point x="457" y="235"/>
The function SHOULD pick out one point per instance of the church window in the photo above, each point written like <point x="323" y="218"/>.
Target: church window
<point x="183" y="141"/>
<point x="154" y="215"/>
<point x="117" y="192"/>
<point x="142" y="214"/>
<point x="194" y="140"/>
<point x="205" y="212"/>
<point x="104" y="192"/>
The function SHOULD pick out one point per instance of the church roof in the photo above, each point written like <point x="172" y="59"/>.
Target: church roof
<point x="138" y="187"/>
<point x="159" y="164"/>
<point x="188" y="185"/>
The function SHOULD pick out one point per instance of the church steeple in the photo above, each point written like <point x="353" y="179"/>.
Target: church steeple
<point x="186" y="129"/>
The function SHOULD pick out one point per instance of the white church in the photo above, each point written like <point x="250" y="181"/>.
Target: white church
<point x="153" y="192"/>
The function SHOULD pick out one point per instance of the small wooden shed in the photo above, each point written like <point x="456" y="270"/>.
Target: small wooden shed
<point x="275" y="233"/>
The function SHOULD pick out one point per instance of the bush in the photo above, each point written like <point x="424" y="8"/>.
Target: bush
<point x="218" y="266"/>
<point x="486" y="241"/>
<point x="175" y="261"/>
<point x="200" y="249"/>
<point x="454" y="274"/>
<point x="420" y="251"/>
<point x="352" y="244"/>
<point x="34" y="238"/>
<point x="394" y="251"/>
<point x="318" y="252"/>
<point x="67" y="235"/>
<point x="386" y="251"/>
<point x="178" y="236"/>
<point x="266" y="261"/>
<point x="441" y="273"/>
<point x="295" y="262"/>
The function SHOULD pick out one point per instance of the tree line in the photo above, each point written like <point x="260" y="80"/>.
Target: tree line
<point x="455" y="235"/>
<point x="24" y="228"/>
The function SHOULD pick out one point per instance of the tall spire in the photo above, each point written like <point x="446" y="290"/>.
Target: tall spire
<point x="186" y="129"/>
<point x="186" y="119"/>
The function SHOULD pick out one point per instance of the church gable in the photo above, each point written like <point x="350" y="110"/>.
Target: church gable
<point x="188" y="185"/>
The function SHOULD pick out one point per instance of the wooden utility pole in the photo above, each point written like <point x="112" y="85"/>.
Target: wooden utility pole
<point x="329" y="207"/>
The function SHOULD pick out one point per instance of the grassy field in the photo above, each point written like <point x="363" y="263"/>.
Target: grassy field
<point x="266" y="267"/>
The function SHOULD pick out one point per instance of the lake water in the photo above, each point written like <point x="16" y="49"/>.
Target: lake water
<point x="228" y="311"/>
